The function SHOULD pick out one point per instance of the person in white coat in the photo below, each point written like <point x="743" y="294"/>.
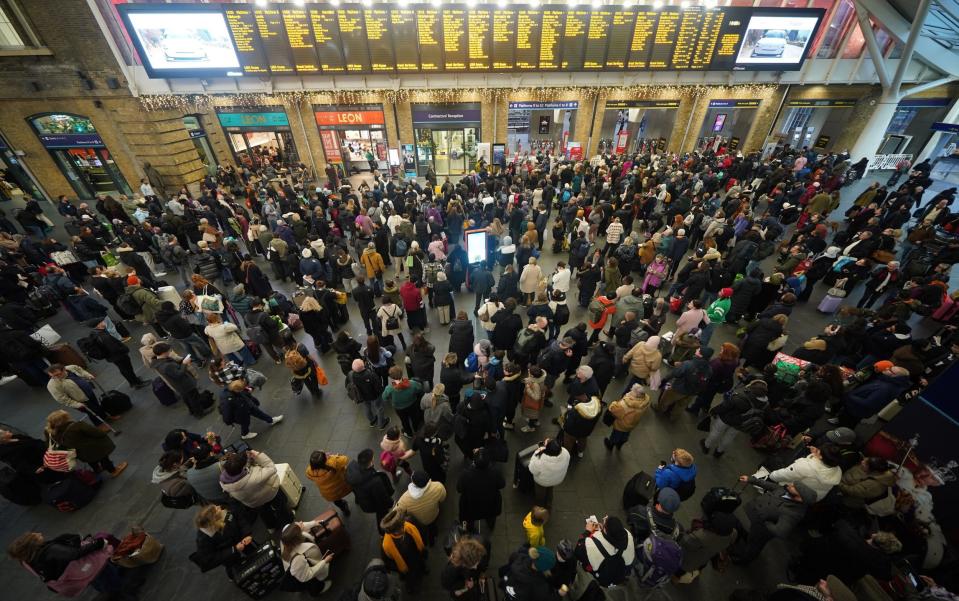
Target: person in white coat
<point x="819" y="471"/>
<point x="529" y="280"/>
<point x="548" y="465"/>
<point x="561" y="277"/>
<point x="303" y="559"/>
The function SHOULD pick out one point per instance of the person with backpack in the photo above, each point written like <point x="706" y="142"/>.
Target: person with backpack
<point x="685" y="382"/>
<point x="365" y="387"/>
<point x="372" y="489"/>
<point x="740" y="411"/>
<point x="555" y="358"/>
<point x="600" y="311"/>
<point x="142" y="303"/>
<point x="404" y="549"/>
<point x="679" y="474"/>
<point x="238" y="405"/>
<point x="529" y="342"/>
<point x="100" y="345"/>
<point x="606" y="550"/>
<point x="389" y="316"/>
<point x="578" y="251"/>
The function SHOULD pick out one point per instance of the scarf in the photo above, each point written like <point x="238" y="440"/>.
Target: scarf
<point x="389" y="546"/>
<point x="401" y="384"/>
<point x="415" y="491"/>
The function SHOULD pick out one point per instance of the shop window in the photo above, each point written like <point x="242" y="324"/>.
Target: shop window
<point x="15" y="31"/>
<point x="54" y="124"/>
<point x="855" y="44"/>
<point x="843" y="15"/>
<point x="9" y="36"/>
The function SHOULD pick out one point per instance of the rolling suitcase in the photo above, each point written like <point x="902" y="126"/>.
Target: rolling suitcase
<point x="829" y="304"/>
<point x="76" y="490"/>
<point x="522" y="478"/>
<point x="261" y="572"/>
<point x="720" y="499"/>
<point x="64" y="354"/>
<point x="290" y="484"/>
<point x="115" y="402"/>
<point x="639" y="490"/>
<point x="163" y="393"/>
<point x="330" y="534"/>
<point x="200" y="403"/>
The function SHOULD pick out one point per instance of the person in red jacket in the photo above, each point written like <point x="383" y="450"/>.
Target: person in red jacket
<point x="607" y="305"/>
<point x="413" y="305"/>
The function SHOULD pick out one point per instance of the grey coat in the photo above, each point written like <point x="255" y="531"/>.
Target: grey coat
<point x="177" y="376"/>
<point x="771" y="511"/>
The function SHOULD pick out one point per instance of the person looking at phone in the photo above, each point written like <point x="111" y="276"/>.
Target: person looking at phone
<point x="303" y="560"/>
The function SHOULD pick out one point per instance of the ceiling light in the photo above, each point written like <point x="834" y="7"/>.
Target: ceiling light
<point x="367" y="3"/>
<point x="334" y="2"/>
<point x="437" y="3"/>
<point x="658" y="4"/>
<point x="533" y="3"/>
<point x="299" y="2"/>
<point x="403" y="3"/>
<point x="471" y="3"/>
<point x="684" y="4"/>
<point x="573" y="2"/>
<point x="261" y="3"/>
<point x="710" y="3"/>
<point x="629" y="3"/>
<point x="501" y="3"/>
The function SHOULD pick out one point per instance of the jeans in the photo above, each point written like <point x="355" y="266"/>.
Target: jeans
<point x="243" y="356"/>
<point x="374" y="412"/>
<point x="617" y="438"/>
<point x="244" y="420"/>
<point x="196" y="346"/>
<point x="705" y="334"/>
<point x="113" y="329"/>
<point x="720" y="435"/>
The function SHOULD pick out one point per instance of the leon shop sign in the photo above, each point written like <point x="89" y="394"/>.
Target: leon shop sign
<point x="349" y="118"/>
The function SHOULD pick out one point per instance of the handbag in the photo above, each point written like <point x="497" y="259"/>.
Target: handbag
<point x="778" y="343"/>
<point x="210" y="303"/>
<point x="884" y="506"/>
<point x="59" y="460"/>
<point x="137" y="549"/>
<point x="46" y="335"/>
<point x="321" y="376"/>
<point x="839" y="289"/>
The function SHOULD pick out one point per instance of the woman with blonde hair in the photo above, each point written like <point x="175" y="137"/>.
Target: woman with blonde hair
<point x="225" y="339"/>
<point x="303" y="559"/>
<point x="92" y="445"/>
<point x="316" y="324"/>
<point x="626" y="413"/>
<point x="529" y="280"/>
<point x="304" y="373"/>
<point x="223" y="539"/>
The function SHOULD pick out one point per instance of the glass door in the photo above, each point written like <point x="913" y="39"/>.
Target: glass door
<point x="15" y="177"/>
<point x="424" y="151"/>
<point x="457" y="152"/>
<point x="441" y="142"/>
<point x="91" y="171"/>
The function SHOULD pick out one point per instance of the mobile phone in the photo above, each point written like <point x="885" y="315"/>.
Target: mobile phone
<point x="187" y="358"/>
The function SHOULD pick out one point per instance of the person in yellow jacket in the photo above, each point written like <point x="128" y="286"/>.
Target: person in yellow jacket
<point x="328" y="472"/>
<point x="533" y="524"/>
<point x="373" y="262"/>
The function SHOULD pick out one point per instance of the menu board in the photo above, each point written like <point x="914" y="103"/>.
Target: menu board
<point x="286" y="39"/>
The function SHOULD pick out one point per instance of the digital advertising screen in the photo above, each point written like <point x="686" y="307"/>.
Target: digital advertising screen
<point x="775" y="40"/>
<point x="186" y="42"/>
<point x="475" y="246"/>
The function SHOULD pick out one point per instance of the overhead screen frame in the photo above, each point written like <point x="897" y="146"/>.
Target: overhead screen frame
<point x="746" y="14"/>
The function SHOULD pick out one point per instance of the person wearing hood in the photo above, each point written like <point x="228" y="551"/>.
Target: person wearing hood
<point x="644" y="360"/>
<point x="422" y="501"/>
<point x="869" y="398"/>
<point x="578" y="423"/>
<point x="773" y="514"/>
<point x="819" y="269"/>
<point x="528" y="576"/>
<point x="727" y="418"/>
<point x="866" y="482"/>
<point x="600" y="543"/>
<point x="603" y="363"/>
<point x="250" y="478"/>
<point x="506" y="252"/>
<point x="703" y="545"/>
<point x="548" y="465"/>
<point x="404" y="548"/>
<point x="626" y="413"/>
<point x="170" y="475"/>
<point x="819" y="471"/>
<point x="743" y="292"/>
<point x="480" y="488"/>
<point x="328" y="472"/>
<point x="679" y="474"/>
<point x="372" y="489"/>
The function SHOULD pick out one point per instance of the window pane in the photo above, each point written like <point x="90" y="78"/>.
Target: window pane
<point x="855" y="44"/>
<point x="839" y="23"/>
<point x="770" y="2"/>
<point x="9" y="38"/>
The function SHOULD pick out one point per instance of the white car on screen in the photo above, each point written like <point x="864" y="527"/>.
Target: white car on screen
<point x="773" y="43"/>
<point x="182" y="47"/>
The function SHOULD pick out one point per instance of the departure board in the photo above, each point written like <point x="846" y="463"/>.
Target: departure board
<point x="269" y="26"/>
<point x="380" y="39"/>
<point x="302" y="44"/>
<point x="377" y="37"/>
<point x="356" y="51"/>
<point x="574" y="39"/>
<point x="480" y="39"/>
<point x="403" y="25"/>
<point x="455" y="44"/>
<point x="249" y="47"/>
<point x="529" y="24"/>
<point x="550" y="37"/>
<point x="326" y="32"/>
<point x="620" y="38"/>
<point x="429" y="36"/>
<point x="504" y="39"/>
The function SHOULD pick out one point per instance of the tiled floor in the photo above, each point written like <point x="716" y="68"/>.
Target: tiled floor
<point x="593" y="486"/>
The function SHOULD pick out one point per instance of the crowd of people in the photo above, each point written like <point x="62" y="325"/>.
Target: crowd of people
<point x="717" y="238"/>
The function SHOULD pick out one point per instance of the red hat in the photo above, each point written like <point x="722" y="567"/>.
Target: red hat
<point x="882" y="366"/>
<point x="725" y="292"/>
<point x="133" y="280"/>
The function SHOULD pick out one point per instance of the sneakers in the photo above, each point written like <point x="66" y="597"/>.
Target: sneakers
<point x="276" y="419"/>
<point x="126" y="339"/>
<point x="385" y="424"/>
<point x="833" y="420"/>
<point x="119" y="469"/>
<point x="508" y="425"/>
<point x="527" y="429"/>
<point x="579" y="454"/>
<point x="7" y="379"/>
<point x="249" y="436"/>
<point x="141" y="384"/>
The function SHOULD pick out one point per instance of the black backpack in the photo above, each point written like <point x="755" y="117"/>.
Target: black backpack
<point x="91" y="347"/>
<point x="613" y="569"/>
<point x="128" y="304"/>
<point x="561" y="315"/>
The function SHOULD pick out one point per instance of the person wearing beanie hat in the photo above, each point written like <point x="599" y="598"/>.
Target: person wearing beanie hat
<point x="718" y="534"/>
<point x="600" y="544"/>
<point x="422" y="501"/>
<point x="528" y="577"/>
<point x="378" y="583"/>
<point x="773" y="514"/>
<point x="403" y="548"/>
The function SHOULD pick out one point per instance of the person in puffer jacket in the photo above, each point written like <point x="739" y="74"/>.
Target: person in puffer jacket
<point x="208" y="263"/>
<point x="170" y="474"/>
<point x="679" y="474"/>
<point x="548" y="465"/>
<point x="251" y="479"/>
<point x="819" y="471"/>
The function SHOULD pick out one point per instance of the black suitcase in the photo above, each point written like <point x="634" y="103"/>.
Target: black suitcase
<point x="639" y="490"/>
<point x="200" y="403"/>
<point x="260" y="573"/>
<point x="115" y="402"/>
<point x="163" y="393"/>
<point x="720" y="499"/>
<point x="522" y="478"/>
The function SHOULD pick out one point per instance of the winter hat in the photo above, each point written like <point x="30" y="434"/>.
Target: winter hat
<point x="882" y="366"/>
<point x="307" y="253"/>
<point x="807" y="494"/>
<point x="376" y="584"/>
<point x="668" y="499"/>
<point x="420" y="479"/>
<point x="725" y="293"/>
<point x="615" y="533"/>
<point x="681" y="233"/>
<point x="133" y="280"/>
<point x="543" y="558"/>
<point x="832" y="252"/>
<point x="841" y="436"/>
<point x="706" y="352"/>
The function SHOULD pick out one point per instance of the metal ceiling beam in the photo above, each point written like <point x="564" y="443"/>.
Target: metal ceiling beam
<point x="915" y="33"/>
<point x="872" y="46"/>
<point x="898" y="27"/>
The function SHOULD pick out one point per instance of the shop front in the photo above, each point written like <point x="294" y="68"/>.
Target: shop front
<point x="545" y="127"/>
<point x="636" y="125"/>
<point x="812" y="123"/>
<point x="727" y="123"/>
<point x="201" y="143"/>
<point x="353" y="136"/>
<point x="258" y="134"/>
<point x="911" y="126"/>
<point x="80" y="154"/>
<point x="446" y="137"/>
<point x="16" y="181"/>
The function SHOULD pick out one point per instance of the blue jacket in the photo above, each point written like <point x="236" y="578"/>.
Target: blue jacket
<point x="868" y="399"/>
<point x="673" y="475"/>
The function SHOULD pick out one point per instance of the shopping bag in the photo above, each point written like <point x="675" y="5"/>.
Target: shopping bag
<point x="321" y="376"/>
<point x="46" y="336"/>
<point x="59" y="460"/>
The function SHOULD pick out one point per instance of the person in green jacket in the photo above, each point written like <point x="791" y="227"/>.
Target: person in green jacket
<point x="716" y="312"/>
<point x="405" y="396"/>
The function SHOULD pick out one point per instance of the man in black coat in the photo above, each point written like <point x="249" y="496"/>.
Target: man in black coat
<point x="371" y="489"/>
<point x="508" y="325"/>
<point x="118" y="354"/>
<point x="482" y="282"/>
<point x="365" y="300"/>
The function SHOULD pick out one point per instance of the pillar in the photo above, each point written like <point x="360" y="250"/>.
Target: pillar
<point x="872" y="135"/>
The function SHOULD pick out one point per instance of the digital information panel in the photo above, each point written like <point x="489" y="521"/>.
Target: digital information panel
<point x="177" y="40"/>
